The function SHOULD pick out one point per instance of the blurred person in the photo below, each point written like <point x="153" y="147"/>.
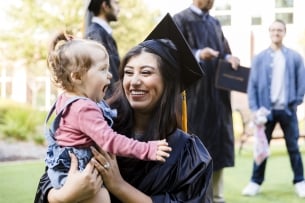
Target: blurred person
<point x="209" y="108"/>
<point x="277" y="83"/>
<point x="104" y="12"/>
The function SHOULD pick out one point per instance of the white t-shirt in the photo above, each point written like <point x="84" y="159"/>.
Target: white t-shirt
<point x="278" y="80"/>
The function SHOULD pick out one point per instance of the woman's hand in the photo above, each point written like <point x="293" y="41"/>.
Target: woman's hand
<point x="80" y="185"/>
<point x="107" y="165"/>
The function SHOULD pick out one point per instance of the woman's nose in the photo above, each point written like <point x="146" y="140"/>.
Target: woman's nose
<point x="136" y="80"/>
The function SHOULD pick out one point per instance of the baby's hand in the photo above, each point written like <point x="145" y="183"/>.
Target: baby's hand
<point x="163" y="150"/>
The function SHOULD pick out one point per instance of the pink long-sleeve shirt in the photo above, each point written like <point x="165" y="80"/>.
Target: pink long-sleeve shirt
<point x="83" y="124"/>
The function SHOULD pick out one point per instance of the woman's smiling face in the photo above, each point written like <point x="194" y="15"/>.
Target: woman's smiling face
<point x="142" y="82"/>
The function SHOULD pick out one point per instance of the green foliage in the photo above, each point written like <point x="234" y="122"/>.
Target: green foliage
<point x="21" y="122"/>
<point x="237" y="124"/>
<point x="34" y="22"/>
<point x="134" y="24"/>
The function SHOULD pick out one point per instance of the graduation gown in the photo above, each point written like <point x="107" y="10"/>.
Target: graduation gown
<point x="209" y="108"/>
<point x="184" y="177"/>
<point x="99" y="34"/>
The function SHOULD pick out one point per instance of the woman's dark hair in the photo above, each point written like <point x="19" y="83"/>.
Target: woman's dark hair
<point x="165" y="116"/>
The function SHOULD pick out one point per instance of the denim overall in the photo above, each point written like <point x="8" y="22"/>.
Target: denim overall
<point x="57" y="157"/>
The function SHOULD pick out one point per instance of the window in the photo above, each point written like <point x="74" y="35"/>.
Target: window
<point x="256" y="20"/>
<point x="223" y="11"/>
<point x="284" y="10"/>
<point x="286" y="17"/>
<point x="221" y="5"/>
<point x="283" y="3"/>
<point x="225" y="20"/>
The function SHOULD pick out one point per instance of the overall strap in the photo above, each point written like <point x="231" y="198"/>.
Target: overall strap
<point x="55" y="123"/>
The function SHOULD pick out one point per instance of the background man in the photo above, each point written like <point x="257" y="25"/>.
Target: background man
<point x="105" y="11"/>
<point x="277" y="83"/>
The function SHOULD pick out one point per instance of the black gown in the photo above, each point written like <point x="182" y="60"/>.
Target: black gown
<point x="209" y="108"/>
<point x="99" y="34"/>
<point x="184" y="177"/>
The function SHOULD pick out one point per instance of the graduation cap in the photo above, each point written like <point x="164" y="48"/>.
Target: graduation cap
<point x="181" y="57"/>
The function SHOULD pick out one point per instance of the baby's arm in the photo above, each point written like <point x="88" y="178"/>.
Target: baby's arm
<point x="92" y="123"/>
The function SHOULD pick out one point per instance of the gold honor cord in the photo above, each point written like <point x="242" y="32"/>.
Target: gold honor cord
<point x="184" y="112"/>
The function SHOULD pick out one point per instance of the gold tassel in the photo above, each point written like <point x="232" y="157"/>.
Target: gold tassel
<point x="184" y="112"/>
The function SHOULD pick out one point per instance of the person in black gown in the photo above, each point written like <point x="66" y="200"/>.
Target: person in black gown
<point x="152" y="75"/>
<point x="209" y="108"/>
<point x="98" y="29"/>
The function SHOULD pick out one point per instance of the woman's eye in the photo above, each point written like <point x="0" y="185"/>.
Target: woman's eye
<point x="128" y="72"/>
<point x="146" y="72"/>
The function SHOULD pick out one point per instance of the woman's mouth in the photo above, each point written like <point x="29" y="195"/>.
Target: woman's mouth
<point x="137" y="92"/>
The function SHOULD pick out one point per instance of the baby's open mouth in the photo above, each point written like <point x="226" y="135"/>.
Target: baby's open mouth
<point x="105" y="88"/>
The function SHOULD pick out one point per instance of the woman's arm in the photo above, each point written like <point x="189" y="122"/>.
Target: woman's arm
<point x="88" y="182"/>
<point x="186" y="176"/>
<point x="113" y="180"/>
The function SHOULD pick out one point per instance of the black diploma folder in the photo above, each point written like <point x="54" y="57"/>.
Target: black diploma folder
<point x="230" y="79"/>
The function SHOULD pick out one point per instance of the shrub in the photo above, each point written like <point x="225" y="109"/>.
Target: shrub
<point x="21" y="122"/>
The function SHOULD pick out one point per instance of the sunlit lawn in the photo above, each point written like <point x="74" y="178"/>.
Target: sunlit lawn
<point x="18" y="181"/>
<point x="278" y="185"/>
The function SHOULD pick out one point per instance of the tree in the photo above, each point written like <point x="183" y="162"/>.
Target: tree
<point x="34" y="22"/>
<point x="135" y="22"/>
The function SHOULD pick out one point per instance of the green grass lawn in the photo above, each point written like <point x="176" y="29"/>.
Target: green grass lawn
<point x="278" y="185"/>
<point x="18" y="180"/>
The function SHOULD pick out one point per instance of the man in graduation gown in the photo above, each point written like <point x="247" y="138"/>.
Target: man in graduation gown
<point x="104" y="11"/>
<point x="209" y="109"/>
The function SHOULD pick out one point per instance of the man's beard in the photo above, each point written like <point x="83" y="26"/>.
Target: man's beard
<point x="111" y="17"/>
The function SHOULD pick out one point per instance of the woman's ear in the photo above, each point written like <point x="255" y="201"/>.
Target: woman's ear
<point x="76" y="77"/>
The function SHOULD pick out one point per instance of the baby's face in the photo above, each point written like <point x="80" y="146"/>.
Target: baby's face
<point x="97" y="79"/>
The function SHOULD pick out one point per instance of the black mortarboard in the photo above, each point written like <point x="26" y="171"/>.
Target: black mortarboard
<point x="181" y="58"/>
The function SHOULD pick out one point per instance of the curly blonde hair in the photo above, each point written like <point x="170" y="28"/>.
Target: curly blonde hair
<point x="66" y="56"/>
